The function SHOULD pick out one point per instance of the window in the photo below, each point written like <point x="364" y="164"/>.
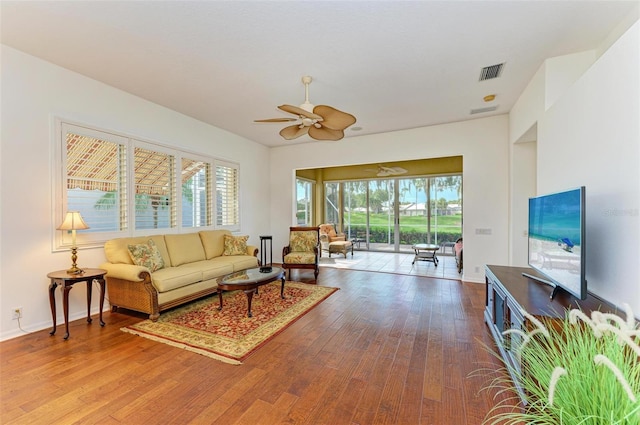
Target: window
<point x="227" y="193"/>
<point x="154" y="187"/>
<point x="393" y="214"/>
<point x="196" y="187"/>
<point x="304" y="202"/>
<point x="332" y="203"/>
<point x="122" y="186"/>
<point x="95" y="171"/>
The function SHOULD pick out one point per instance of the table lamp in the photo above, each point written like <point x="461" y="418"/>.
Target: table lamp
<point x="73" y="221"/>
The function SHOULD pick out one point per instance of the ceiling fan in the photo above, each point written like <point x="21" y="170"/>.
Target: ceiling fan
<point x="384" y="171"/>
<point x="320" y="122"/>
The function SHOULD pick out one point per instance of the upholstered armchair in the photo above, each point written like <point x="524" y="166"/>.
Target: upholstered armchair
<point x="458" y="251"/>
<point x="327" y="235"/>
<point x="303" y="250"/>
<point x="333" y="242"/>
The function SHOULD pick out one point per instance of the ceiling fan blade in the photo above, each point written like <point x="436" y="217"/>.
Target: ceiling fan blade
<point x="276" y="120"/>
<point x="398" y="170"/>
<point x="333" y="118"/>
<point x="324" y="133"/>
<point x="299" y="111"/>
<point x="293" y="132"/>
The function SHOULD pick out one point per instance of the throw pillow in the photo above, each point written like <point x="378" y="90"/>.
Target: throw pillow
<point x="147" y="255"/>
<point x="235" y="245"/>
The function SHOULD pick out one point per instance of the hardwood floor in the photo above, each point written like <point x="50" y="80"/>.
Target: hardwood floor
<point x="386" y="348"/>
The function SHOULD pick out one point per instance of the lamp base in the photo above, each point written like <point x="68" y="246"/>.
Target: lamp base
<point x="74" y="257"/>
<point x="75" y="270"/>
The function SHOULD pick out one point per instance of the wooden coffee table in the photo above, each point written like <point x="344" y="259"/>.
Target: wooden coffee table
<point x="248" y="281"/>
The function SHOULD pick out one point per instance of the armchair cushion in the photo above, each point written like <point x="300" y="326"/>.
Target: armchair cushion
<point x="328" y="232"/>
<point x="300" y="258"/>
<point x="302" y="241"/>
<point x="235" y="245"/>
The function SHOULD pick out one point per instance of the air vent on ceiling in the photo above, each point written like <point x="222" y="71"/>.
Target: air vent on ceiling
<point x="482" y="110"/>
<point x="490" y="72"/>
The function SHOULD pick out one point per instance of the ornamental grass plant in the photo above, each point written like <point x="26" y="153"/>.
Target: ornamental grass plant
<point x="580" y="370"/>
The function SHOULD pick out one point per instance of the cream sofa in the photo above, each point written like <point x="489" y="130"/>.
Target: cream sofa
<point x="192" y="262"/>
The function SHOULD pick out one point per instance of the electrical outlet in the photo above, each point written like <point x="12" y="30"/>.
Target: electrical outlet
<point x="17" y="313"/>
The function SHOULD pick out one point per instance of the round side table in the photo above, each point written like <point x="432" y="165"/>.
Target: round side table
<point x="66" y="281"/>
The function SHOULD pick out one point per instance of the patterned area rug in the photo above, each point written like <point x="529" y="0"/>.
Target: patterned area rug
<point x="229" y="335"/>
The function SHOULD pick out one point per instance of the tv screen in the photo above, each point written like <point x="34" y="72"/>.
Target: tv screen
<point x="557" y="240"/>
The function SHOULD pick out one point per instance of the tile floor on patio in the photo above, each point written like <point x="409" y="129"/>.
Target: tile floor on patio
<point x="389" y="262"/>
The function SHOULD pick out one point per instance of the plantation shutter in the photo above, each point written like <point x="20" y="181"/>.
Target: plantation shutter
<point x="95" y="171"/>
<point x="155" y="200"/>
<point x="227" y="196"/>
<point x="196" y="193"/>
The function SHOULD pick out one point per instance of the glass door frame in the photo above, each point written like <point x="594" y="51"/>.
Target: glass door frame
<point x="393" y="201"/>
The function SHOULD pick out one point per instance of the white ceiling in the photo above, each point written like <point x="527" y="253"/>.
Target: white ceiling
<point x="394" y="65"/>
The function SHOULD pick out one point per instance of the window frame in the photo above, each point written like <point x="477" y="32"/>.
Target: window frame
<point x="235" y="226"/>
<point x="62" y="240"/>
<point x="311" y="186"/>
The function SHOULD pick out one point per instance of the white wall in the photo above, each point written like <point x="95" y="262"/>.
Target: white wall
<point x="33" y="92"/>
<point x="591" y="137"/>
<point x="562" y="71"/>
<point x="523" y="186"/>
<point x="483" y="143"/>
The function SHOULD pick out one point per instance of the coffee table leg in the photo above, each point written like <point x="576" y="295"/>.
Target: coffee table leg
<point x="249" y="293"/>
<point x="220" y="296"/>
<point x="282" y="289"/>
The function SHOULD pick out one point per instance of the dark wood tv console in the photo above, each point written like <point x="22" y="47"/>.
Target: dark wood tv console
<point x="509" y="292"/>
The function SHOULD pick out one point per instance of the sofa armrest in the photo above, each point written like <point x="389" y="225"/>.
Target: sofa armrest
<point x="129" y="272"/>
<point x="252" y="250"/>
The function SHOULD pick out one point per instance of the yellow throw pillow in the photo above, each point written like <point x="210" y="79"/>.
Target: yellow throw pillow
<point x="235" y="245"/>
<point x="147" y="255"/>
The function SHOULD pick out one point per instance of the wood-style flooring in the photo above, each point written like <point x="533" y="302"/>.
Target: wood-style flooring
<point x="385" y="348"/>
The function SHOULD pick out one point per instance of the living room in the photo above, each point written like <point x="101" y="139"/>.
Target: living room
<point x="576" y="123"/>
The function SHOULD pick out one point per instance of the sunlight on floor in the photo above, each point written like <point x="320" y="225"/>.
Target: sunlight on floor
<point x="387" y="262"/>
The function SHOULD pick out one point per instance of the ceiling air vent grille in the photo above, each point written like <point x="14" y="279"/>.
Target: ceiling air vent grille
<point x="482" y="110"/>
<point x="490" y="72"/>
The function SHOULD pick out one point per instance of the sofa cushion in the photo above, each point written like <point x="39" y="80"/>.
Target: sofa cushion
<point x="213" y="268"/>
<point x="237" y="262"/>
<point x="176" y="277"/>
<point x="213" y="242"/>
<point x="235" y="245"/>
<point x="184" y="248"/>
<point x="147" y="255"/>
<point x="117" y="250"/>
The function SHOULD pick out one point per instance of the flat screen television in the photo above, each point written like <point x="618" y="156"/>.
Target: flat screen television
<point x="557" y="241"/>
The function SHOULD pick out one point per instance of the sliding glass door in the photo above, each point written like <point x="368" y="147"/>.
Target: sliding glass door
<point x="394" y="214"/>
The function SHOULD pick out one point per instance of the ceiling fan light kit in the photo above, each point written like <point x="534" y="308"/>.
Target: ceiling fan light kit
<point x="320" y="122"/>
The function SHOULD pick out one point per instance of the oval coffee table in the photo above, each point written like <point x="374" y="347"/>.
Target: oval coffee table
<point x="249" y="280"/>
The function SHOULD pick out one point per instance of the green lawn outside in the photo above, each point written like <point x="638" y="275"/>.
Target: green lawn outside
<point x="412" y="229"/>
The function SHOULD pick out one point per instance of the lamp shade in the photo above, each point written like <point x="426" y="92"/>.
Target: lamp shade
<point x="73" y="221"/>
